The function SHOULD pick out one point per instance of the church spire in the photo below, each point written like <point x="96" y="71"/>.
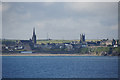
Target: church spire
<point x="34" y="31"/>
<point x="34" y="36"/>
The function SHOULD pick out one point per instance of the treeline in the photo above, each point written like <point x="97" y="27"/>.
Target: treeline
<point x="8" y="42"/>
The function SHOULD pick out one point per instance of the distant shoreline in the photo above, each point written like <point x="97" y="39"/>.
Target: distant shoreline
<point x="45" y="54"/>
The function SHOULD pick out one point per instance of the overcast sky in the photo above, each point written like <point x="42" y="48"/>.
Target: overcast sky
<point x="60" y="20"/>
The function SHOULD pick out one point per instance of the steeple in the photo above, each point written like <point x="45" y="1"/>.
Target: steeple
<point x="34" y="31"/>
<point x="34" y="36"/>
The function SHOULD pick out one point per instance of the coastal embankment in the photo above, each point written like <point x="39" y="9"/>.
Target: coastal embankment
<point x="46" y="54"/>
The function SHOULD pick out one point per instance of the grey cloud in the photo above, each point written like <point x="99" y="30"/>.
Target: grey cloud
<point x="68" y="20"/>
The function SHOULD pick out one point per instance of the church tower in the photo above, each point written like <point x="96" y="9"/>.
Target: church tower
<point x="34" y="36"/>
<point x="82" y="38"/>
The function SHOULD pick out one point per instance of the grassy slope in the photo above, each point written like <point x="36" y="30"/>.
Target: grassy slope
<point x="58" y="41"/>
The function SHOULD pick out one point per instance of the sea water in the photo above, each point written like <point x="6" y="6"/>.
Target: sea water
<point x="59" y="67"/>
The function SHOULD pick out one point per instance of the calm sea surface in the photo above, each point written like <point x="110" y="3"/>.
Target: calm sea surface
<point x="60" y="67"/>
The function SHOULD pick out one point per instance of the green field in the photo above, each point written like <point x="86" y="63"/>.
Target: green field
<point x="59" y="41"/>
<point x="53" y="41"/>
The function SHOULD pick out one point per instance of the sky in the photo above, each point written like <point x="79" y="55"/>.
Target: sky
<point x="60" y="20"/>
